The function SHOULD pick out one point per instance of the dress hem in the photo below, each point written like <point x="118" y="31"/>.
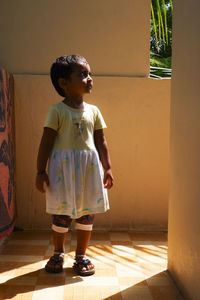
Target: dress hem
<point x="52" y="212"/>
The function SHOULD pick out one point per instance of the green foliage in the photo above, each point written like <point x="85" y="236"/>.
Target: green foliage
<point x="161" y="38"/>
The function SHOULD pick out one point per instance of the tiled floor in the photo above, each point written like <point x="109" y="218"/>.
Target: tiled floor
<point x="129" y="266"/>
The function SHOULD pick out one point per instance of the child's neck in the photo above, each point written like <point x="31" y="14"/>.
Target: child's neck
<point x="74" y="102"/>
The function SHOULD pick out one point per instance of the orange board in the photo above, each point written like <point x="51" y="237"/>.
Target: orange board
<point x="7" y="155"/>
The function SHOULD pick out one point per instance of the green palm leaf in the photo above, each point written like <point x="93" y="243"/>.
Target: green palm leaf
<point x="154" y="25"/>
<point x="159" y="19"/>
<point x="171" y="4"/>
<point x="163" y="31"/>
<point x="165" y="18"/>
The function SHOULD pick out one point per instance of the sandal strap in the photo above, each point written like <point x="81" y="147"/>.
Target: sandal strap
<point x="82" y="259"/>
<point x="56" y="258"/>
<point x="84" y="262"/>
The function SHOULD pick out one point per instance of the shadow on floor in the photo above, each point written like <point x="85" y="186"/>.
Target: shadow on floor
<point x="157" y="287"/>
<point x="27" y="282"/>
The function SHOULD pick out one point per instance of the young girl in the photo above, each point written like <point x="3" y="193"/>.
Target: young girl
<point x="73" y="141"/>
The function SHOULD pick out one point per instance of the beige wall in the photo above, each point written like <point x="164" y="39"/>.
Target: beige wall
<point x="184" y="207"/>
<point x="136" y="111"/>
<point x="112" y="34"/>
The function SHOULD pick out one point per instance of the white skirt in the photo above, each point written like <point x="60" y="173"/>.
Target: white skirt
<point x="76" y="184"/>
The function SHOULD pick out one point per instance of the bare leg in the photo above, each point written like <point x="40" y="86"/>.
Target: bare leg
<point x="59" y="241"/>
<point x="83" y="237"/>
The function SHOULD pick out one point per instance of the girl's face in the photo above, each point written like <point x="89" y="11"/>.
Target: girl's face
<point x="80" y="81"/>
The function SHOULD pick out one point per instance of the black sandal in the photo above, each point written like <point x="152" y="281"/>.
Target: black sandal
<point x="80" y="262"/>
<point x="57" y="260"/>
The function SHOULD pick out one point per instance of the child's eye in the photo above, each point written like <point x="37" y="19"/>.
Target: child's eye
<point x="84" y="74"/>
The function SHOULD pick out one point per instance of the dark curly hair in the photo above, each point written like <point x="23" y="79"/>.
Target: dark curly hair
<point x="62" y="68"/>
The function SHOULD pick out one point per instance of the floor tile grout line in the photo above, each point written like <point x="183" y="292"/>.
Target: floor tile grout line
<point x="107" y="255"/>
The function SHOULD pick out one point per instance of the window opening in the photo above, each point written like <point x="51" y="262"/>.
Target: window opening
<point x="161" y="38"/>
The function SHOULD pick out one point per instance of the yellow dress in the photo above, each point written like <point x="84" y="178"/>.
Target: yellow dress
<point x="74" y="169"/>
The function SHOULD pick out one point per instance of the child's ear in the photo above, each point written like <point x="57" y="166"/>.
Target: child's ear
<point x="62" y="82"/>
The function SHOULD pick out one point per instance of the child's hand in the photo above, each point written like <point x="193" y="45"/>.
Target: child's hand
<point x="108" y="179"/>
<point x="40" y="180"/>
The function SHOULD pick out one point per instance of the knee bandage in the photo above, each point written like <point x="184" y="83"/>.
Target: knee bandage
<point x="80" y="226"/>
<point x="59" y="229"/>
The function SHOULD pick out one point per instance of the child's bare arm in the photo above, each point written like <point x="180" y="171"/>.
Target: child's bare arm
<point x="102" y="148"/>
<point x="45" y="148"/>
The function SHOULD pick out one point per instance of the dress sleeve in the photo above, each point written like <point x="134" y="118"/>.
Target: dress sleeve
<point x="99" y="121"/>
<point x="52" y="118"/>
